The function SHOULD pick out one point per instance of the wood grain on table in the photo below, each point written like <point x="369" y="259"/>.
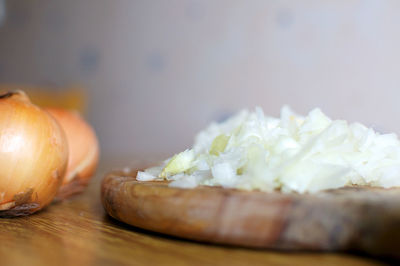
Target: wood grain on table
<point x="78" y="232"/>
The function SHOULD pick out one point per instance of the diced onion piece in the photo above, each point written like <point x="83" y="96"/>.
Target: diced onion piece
<point x="179" y="163"/>
<point x="219" y="144"/>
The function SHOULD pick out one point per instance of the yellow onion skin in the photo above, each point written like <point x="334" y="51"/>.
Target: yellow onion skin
<point x="33" y="156"/>
<point x="83" y="151"/>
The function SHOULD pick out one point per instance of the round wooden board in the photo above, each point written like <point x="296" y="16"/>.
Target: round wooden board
<point x="362" y="219"/>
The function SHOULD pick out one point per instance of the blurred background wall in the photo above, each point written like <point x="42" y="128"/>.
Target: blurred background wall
<point x="155" y="72"/>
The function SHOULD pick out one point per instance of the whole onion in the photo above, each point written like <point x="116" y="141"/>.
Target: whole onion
<point x="33" y="156"/>
<point x="83" y="151"/>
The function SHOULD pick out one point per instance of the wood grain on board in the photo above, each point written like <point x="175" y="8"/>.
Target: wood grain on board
<point x="362" y="219"/>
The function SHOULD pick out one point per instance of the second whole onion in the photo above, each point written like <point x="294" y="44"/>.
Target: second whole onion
<point x="83" y="151"/>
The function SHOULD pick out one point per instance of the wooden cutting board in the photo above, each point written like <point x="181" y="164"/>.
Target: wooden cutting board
<point x="358" y="219"/>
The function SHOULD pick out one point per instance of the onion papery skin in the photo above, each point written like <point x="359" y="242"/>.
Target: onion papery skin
<point x="33" y="156"/>
<point x="83" y="151"/>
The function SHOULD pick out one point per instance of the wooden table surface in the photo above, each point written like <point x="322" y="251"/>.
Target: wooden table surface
<point x="79" y="232"/>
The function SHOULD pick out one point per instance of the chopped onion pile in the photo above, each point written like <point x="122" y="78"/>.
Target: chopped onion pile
<point x="252" y="151"/>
